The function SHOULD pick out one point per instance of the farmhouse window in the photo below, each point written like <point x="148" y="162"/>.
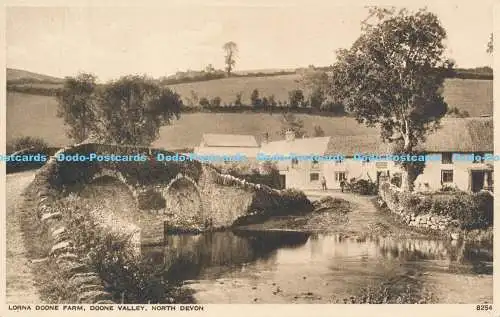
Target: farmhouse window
<point x="446" y="158"/>
<point x="314" y="177"/>
<point x="447" y="176"/>
<point x="340" y="176"/>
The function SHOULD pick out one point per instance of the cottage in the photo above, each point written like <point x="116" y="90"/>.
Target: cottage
<point x="456" y="140"/>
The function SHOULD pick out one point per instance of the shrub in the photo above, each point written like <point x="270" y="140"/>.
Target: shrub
<point x="27" y="143"/>
<point x="396" y="180"/>
<point x="364" y="187"/>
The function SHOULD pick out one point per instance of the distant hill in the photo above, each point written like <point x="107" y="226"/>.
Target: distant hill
<point x="23" y="77"/>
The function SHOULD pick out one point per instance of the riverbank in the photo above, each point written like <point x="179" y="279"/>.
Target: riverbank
<point x="354" y="215"/>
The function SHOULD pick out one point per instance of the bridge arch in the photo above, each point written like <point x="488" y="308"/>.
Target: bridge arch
<point x="183" y="200"/>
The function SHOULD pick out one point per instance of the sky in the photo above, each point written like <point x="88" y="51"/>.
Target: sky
<point x="160" y="40"/>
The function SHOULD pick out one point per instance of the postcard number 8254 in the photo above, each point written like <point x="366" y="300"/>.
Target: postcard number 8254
<point x="484" y="307"/>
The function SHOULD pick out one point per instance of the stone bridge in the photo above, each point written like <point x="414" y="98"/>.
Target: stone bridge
<point x="188" y="195"/>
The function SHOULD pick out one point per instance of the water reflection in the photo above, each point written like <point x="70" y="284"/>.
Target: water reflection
<point x="187" y="256"/>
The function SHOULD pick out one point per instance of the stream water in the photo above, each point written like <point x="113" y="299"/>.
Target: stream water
<point x="286" y="267"/>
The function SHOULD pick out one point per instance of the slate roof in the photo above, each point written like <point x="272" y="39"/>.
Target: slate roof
<point x="228" y="140"/>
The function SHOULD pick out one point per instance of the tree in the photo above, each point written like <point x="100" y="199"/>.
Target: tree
<point x="254" y="98"/>
<point x="76" y="105"/>
<point x="489" y="48"/>
<point x="392" y="76"/>
<point x="204" y="102"/>
<point x="209" y="69"/>
<point x="133" y="108"/>
<point x="318" y="131"/>
<point x="237" y="101"/>
<point x="215" y="102"/>
<point x="289" y="122"/>
<point x="230" y="48"/>
<point x="316" y="82"/>
<point x="296" y="98"/>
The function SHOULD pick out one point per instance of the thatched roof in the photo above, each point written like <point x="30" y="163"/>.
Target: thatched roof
<point x="453" y="135"/>
<point x="461" y="135"/>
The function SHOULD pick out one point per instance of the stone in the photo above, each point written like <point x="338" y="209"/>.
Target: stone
<point x="90" y="297"/>
<point x="58" y="231"/>
<point x="61" y="247"/>
<point x="91" y="287"/>
<point x="53" y="215"/>
<point x="79" y="281"/>
<point x="67" y="256"/>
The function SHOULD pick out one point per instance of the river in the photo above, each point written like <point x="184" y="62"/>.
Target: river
<point x="297" y="267"/>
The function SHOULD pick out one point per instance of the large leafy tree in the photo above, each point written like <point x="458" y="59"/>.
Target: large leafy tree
<point x="76" y="105"/>
<point x="128" y="111"/>
<point x="392" y="76"/>
<point x="133" y="108"/>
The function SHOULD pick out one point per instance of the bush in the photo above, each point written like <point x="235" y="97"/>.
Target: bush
<point x="396" y="180"/>
<point x="34" y="144"/>
<point x="363" y="187"/>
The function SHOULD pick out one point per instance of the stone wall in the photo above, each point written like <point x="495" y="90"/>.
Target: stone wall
<point x="456" y="214"/>
<point x="390" y="195"/>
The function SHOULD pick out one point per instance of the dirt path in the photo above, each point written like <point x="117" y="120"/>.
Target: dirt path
<point x="365" y="219"/>
<point x="20" y="288"/>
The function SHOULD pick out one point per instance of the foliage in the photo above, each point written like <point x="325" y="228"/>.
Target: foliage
<point x="106" y="253"/>
<point x="231" y="49"/>
<point x="473" y="211"/>
<point x="237" y="101"/>
<point x="489" y="47"/>
<point x="296" y="98"/>
<point x="27" y="142"/>
<point x="396" y="180"/>
<point x="457" y="113"/>
<point x="289" y="122"/>
<point x="363" y="187"/>
<point x="393" y="74"/>
<point x="215" y="102"/>
<point x="77" y="106"/>
<point x="254" y="98"/>
<point x="130" y="110"/>
<point x="318" y="131"/>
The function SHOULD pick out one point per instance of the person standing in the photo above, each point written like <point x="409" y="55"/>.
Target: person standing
<point x="342" y="185"/>
<point x="323" y="182"/>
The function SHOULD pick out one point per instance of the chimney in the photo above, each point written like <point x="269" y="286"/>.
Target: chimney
<point x="289" y="135"/>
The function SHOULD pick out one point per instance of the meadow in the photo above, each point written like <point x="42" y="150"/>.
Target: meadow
<point x="35" y="115"/>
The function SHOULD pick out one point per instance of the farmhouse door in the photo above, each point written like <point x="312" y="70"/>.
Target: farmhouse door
<point x="477" y="181"/>
<point x="282" y="181"/>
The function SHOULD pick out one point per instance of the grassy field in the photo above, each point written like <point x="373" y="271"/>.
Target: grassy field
<point x="34" y="115"/>
<point x="31" y="115"/>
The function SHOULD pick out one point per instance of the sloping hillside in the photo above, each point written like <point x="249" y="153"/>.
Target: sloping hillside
<point x="472" y="95"/>
<point x="18" y="75"/>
